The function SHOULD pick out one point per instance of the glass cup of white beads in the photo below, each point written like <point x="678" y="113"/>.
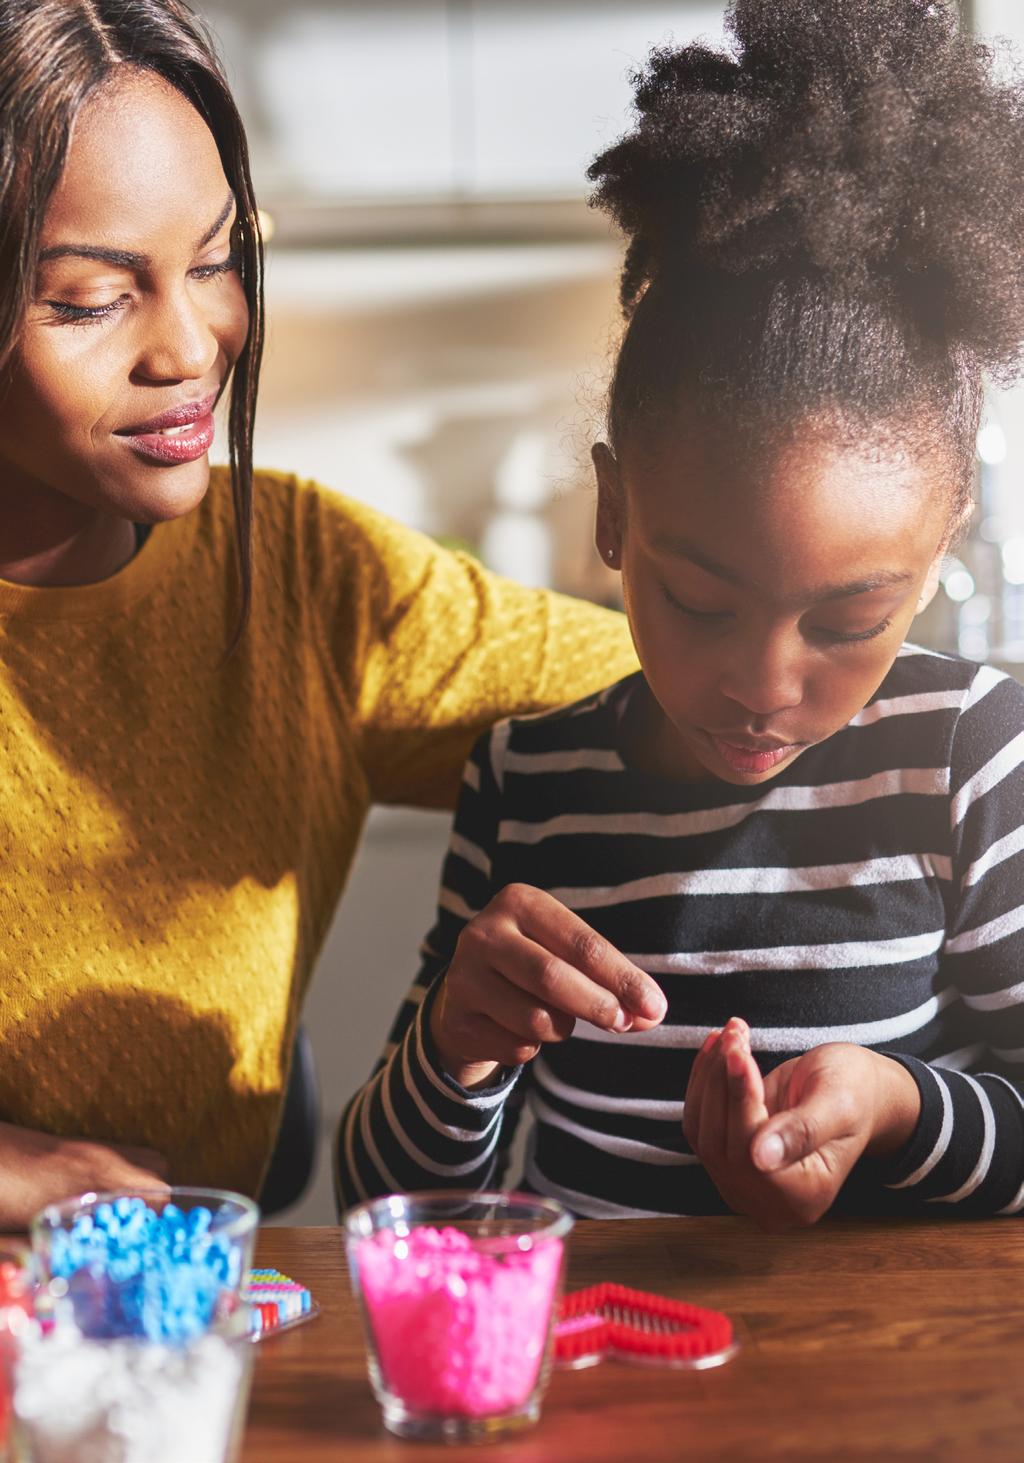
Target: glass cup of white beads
<point x="140" y="1350"/>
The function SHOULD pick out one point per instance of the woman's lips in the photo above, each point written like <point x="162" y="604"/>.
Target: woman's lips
<point x="751" y="758"/>
<point x="181" y="434"/>
<point x="174" y="444"/>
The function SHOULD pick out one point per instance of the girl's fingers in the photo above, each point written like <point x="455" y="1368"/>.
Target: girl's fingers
<point x="493" y="951"/>
<point x="747" y="1109"/>
<point x="517" y="1013"/>
<point x="823" y="1115"/>
<point x="568" y="944"/>
<point x="556" y="985"/>
<point x="711" y="1133"/>
<point x="495" y="1043"/>
<point x="695" y="1090"/>
<point x="732" y="1101"/>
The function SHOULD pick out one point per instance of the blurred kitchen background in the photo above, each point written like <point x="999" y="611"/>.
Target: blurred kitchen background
<point x="442" y="313"/>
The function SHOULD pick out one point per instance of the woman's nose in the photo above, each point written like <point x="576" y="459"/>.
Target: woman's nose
<point x="180" y="343"/>
<point x="764" y="676"/>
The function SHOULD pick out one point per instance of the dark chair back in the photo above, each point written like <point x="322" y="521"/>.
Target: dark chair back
<point x="294" y="1157"/>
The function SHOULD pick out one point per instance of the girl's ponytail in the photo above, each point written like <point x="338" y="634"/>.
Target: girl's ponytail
<point x="830" y="216"/>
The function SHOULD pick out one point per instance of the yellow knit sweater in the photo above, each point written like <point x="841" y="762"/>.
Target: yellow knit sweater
<point x="174" y="833"/>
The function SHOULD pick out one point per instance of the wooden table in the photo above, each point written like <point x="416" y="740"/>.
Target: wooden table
<point x="884" y="1340"/>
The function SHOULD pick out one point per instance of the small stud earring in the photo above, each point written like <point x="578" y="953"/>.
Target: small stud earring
<point x="611" y="553"/>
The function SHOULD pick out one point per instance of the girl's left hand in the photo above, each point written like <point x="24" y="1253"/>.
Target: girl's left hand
<point x="779" y="1148"/>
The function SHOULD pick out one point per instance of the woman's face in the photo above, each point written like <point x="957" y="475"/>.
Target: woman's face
<point x="767" y="598"/>
<point x="138" y="315"/>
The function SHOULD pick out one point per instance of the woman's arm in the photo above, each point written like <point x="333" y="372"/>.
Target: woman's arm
<point x="430" y="649"/>
<point x="40" y="1169"/>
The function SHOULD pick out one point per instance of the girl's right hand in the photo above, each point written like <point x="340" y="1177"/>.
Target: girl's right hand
<point x="38" y="1169"/>
<point x="525" y="970"/>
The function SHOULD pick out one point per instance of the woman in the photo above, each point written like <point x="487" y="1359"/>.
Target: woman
<point x="178" y="821"/>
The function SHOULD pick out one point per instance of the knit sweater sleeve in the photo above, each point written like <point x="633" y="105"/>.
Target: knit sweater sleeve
<point x="430" y="649"/>
<point x="412" y="1126"/>
<point x="968" y="1149"/>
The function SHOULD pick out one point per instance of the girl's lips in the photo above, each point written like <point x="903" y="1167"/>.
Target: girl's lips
<point x="751" y="759"/>
<point x="173" y="444"/>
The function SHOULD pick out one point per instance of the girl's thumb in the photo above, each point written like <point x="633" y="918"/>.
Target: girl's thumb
<point x="789" y="1136"/>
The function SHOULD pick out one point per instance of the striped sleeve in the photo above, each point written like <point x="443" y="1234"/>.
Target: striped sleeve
<point x="968" y="1148"/>
<point x="412" y="1126"/>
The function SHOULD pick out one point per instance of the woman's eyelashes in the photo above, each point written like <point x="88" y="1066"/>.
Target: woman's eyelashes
<point x="66" y="313"/>
<point x="225" y="266"/>
<point x="819" y="632"/>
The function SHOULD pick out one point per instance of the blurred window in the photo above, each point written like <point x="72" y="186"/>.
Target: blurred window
<point x="438" y="99"/>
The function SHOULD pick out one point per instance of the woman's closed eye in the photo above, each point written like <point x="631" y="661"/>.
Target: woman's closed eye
<point x="223" y="266"/>
<point x="67" y="313"/>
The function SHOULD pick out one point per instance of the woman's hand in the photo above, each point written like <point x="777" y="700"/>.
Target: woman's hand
<point x="525" y="970"/>
<point x="38" y="1169"/>
<point x="780" y="1148"/>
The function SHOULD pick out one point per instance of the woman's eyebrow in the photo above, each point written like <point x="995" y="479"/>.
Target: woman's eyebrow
<point x="123" y="258"/>
<point x="218" y="223"/>
<point x="129" y="258"/>
<point x="884" y="579"/>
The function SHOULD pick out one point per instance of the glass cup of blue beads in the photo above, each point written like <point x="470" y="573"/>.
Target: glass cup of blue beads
<point x="141" y="1347"/>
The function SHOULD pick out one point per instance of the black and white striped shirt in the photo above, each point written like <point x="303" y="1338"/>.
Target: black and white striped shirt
<point x="873" y="892"/>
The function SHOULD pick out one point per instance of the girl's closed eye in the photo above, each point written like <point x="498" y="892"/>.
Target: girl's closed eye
<point x="702" y="617"/>
<point x="824" y="633"/>
<point x="852" y="637"/>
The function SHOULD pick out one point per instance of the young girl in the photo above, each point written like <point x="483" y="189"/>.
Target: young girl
<point x="780" y="870"/>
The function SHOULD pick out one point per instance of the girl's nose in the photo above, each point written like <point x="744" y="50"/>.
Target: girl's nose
<point x="764" y="676"/>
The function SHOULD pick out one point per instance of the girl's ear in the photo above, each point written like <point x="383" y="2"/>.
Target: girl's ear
<point x="931" y="583"/>
<point x="949" y="543"/>
<point x="608" y="533"/>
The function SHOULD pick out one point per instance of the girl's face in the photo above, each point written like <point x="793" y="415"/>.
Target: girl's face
<point x="139" y="312"/>
<point x="767" y="598"/>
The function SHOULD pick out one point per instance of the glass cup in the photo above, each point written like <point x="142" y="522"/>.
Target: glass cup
<point x="130" y="1400"/>
<point x="142" y="1351"/>
<point x="459" y="1292"/>
<point x="16" y="1284"/>
<point x="214" y="1227"/>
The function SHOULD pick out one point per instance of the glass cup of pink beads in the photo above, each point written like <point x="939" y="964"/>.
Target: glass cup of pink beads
<point x="459" y="1292"/>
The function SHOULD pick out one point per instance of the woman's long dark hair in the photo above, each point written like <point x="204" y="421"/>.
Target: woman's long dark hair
<point x="54" y="55"/>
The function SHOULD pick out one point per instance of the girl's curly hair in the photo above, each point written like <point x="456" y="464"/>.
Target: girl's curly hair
<point x="831" y="216"/>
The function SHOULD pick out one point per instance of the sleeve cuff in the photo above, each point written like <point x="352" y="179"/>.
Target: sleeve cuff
<point x="910" y="1163"/>
<point x="427" y="1058"/>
